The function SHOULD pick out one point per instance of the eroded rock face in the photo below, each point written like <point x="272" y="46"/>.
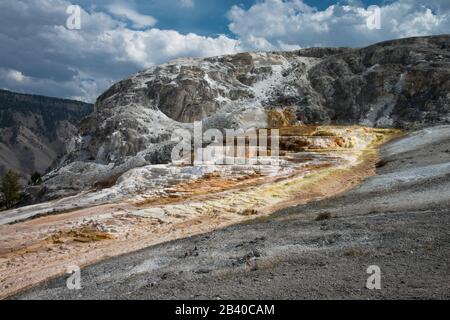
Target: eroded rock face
<point x="402" y="83"/>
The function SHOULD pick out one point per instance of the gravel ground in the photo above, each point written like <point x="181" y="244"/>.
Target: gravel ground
<point x="398" y="220"/>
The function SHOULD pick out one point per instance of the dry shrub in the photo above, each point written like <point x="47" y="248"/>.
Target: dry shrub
<point x="323" y="216"/>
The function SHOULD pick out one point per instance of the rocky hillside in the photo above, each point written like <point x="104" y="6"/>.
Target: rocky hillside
<point x="34" y="130"/>
<point x="402" y="83"/>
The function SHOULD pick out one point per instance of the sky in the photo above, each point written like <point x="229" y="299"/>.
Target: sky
<point x="42" y="53"/>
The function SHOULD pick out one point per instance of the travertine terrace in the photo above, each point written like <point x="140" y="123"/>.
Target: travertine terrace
<point x="315" y="162"/>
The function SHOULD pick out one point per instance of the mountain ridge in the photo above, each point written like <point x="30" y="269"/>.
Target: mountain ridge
<point x="35" y="129"/>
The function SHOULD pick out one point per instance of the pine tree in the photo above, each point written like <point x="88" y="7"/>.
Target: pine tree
<point x="10" y="188"/>
<point x="36" y="178"/>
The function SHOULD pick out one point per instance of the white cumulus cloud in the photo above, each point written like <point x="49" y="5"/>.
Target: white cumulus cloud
<point x="41" y="55"/>
<point x="15" y="75"/>
<point x="278" y="24"/>
<point x="138" y="20"/>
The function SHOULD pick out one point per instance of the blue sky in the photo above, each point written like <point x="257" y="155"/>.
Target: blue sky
<point x="40" y="54"/>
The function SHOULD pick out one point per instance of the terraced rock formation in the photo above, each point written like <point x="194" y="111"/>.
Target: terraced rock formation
<point x="401" y="84"/>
